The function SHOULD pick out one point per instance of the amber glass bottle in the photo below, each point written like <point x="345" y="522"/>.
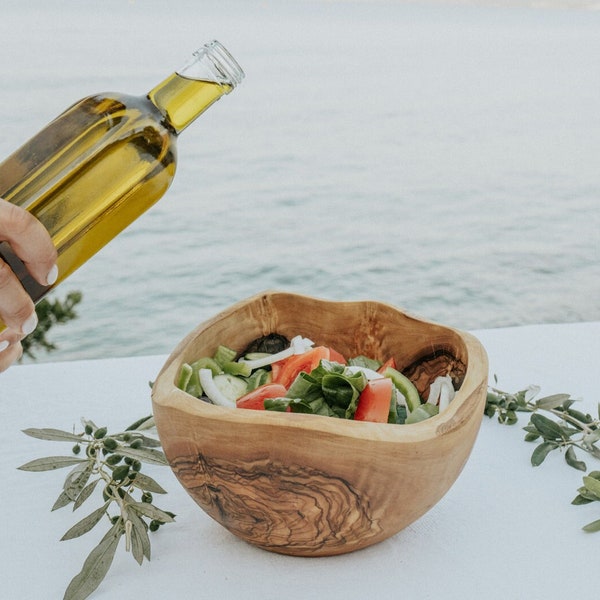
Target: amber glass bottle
<point x="103" y="162"/>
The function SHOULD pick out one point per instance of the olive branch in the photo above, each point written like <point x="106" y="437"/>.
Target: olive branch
<point x="112" y="463"/>
<point x="50" y="313"/>
<point x="566" y="429"/>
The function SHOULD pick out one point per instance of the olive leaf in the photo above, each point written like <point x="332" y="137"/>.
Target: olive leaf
<point x="147" y="455"/>
<point x="144" y="482"/>
<point x="553" y="401"/>
<point x="541" y="452"/>
<point x="128" y="436"/>
<point x="56" y="435"/>
<point x="151" y="512"/>
<point x="62" y="501"/>
<point x="531" y="436"/>
<point x="592" y="527"/>
<point x="96" y="565"/>
<point x="140" y="542"/>
<point x="593" y="485"/>
<point x="586" y="493"/>
<point x="50" y="463"/>
<point x="86" y="524"/>
<point x="85" y="493"/>
<point x="77" y="479"/>
<point x="580" y="499"/>
<point x="549" y="429"/>
<point x="142" y="424"/>
<point x="590" y="492"/>
<point x="572" y="460"/>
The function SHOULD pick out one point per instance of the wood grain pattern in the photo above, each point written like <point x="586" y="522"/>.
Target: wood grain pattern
<point x="313" y="509"/>
<point x="308" y="485"/>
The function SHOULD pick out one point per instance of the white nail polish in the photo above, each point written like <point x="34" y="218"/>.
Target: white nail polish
<point x="30" y="324"/>
<point x="52" y="275"/>
<point x="4" y="344"/>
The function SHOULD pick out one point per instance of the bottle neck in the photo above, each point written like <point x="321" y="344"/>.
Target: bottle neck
<point x="211" y="73"/>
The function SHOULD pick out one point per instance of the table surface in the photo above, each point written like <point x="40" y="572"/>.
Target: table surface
<point x="504" y="530"/>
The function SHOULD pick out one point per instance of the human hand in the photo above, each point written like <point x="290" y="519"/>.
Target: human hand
<point x="31" y="242"/>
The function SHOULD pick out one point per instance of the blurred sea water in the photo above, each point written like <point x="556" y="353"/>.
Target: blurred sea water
<point x="442" y="157"/>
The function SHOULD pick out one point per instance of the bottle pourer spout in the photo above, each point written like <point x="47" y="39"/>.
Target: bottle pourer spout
<point x="213" y="62"/>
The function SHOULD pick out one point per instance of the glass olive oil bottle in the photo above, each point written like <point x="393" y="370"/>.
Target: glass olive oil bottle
<point x="103" y="162"/>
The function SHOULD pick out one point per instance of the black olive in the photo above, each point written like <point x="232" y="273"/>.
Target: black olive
<point x="271" y="343"/>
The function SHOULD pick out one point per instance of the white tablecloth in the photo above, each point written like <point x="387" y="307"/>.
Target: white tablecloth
<point x="504" y="530"/>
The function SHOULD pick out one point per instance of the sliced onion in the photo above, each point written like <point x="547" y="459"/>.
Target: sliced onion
<point x="441" y="392"/>
<point x="434" y="391"/>
<point x="400" y="398"/>
<point x="369" y="373"/>
<point x="446" y="393"/>
<point x="212" y="391"/>
<point x="298" y="345"/>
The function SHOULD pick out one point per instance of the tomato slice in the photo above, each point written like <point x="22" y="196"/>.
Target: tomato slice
<point x="255" y="399"/>
<point x="276" y="369"/>
<point x="374" y="401"/>
<point x="390" y="362"/>
<point x="335" y="356"/>
<point x="285" y="371"/>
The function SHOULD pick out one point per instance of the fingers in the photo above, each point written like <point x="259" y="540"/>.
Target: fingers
<point x="30" y="242"/>
<point x="17" y="311"/>
<point x="9" y="354"/>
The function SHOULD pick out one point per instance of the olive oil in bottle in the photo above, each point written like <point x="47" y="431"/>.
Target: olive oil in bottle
<point x="103" y="162"/>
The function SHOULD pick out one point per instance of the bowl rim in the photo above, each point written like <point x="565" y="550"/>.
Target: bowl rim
<point x="467" y="399"/>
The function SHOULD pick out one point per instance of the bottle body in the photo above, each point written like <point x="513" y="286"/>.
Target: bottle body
<point x="102" y="163"/>
<point x="88" y="175"/>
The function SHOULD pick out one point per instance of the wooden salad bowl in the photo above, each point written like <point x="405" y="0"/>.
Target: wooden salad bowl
<point x="310" y="485"/>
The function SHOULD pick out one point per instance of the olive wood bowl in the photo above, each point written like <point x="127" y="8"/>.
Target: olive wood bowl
<point x="310" y="485"/>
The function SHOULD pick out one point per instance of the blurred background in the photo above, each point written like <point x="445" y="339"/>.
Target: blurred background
<point x="442" y="157"/>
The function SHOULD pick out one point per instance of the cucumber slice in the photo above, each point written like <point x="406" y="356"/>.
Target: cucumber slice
<point x="207" y="363"/>
<point x="256" y="355"/>
<point x="223" y="355"/>
<point x="422" y="413"/>
<point x="258" y="378"/>
<point x="230" y="386"/>
<point x="184" y="376"/>
<point x="237" y="368"/>
<point x="405" y="386"/>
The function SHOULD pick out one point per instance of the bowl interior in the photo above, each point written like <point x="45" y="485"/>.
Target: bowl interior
<point x="422" y="350"/>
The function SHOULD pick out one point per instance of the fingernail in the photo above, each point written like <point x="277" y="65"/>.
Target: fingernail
<point x="4" y="344"/>
<point x="30" y="324"/>
<point x="52" y="275"/>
